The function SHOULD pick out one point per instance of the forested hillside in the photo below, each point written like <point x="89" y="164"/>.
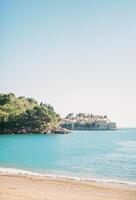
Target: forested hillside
<point x="24" y="115"/>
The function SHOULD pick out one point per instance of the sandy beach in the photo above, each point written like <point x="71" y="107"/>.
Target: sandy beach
<point x="15" y="187"/>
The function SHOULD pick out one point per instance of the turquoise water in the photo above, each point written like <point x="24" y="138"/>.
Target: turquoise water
<point x="107" y="155"/>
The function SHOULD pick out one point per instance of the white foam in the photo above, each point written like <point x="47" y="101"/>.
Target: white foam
<point x="13" y="171"/>
<point x="18" y="172"/>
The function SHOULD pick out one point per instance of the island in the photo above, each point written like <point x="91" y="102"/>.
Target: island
<point x="82" y="121"/>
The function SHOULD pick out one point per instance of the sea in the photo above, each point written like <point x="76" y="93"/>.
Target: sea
<point x="108" y="156"/>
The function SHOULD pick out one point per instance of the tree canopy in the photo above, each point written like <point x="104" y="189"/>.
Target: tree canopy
<point x="20" y="113"/>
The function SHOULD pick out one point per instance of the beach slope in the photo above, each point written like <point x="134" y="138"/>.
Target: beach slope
<point x="37" y="188"/>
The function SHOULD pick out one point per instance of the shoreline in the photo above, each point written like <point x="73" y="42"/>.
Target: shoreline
<point x="24" y="187"/>
<point x="58" y="130"/>
<point x="5" y="171"/>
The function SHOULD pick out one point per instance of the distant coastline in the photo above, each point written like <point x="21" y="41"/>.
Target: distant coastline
<point x="23" y="115"/>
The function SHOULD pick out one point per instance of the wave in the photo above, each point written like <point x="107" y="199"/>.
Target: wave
<point x="21" y="172"/>
<point x="128" y="146"/>
<point x="128" y="143"/>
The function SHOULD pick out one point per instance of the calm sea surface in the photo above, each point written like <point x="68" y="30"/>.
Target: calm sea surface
<point x="106" y="155"/>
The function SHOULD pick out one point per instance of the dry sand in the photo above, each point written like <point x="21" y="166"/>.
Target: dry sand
<point x="13" y="187"/>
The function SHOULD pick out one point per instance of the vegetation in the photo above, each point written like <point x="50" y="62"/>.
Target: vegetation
<point x="24" y="115"/>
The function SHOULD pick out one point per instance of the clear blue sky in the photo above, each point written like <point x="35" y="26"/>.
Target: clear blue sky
<point x="78" y="55"/>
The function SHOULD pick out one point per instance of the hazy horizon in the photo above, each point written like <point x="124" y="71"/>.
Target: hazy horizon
<point x="79" y="56"/>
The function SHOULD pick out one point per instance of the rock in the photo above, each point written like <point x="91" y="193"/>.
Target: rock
<point x="61" y="130"/>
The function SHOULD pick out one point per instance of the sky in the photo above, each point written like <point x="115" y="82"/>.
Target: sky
<point x="78" y="55"/>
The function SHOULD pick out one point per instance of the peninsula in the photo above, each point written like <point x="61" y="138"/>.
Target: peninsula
<point x="26" y="115"/>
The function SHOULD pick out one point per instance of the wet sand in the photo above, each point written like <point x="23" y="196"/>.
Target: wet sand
<point x="15" y="187"/>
